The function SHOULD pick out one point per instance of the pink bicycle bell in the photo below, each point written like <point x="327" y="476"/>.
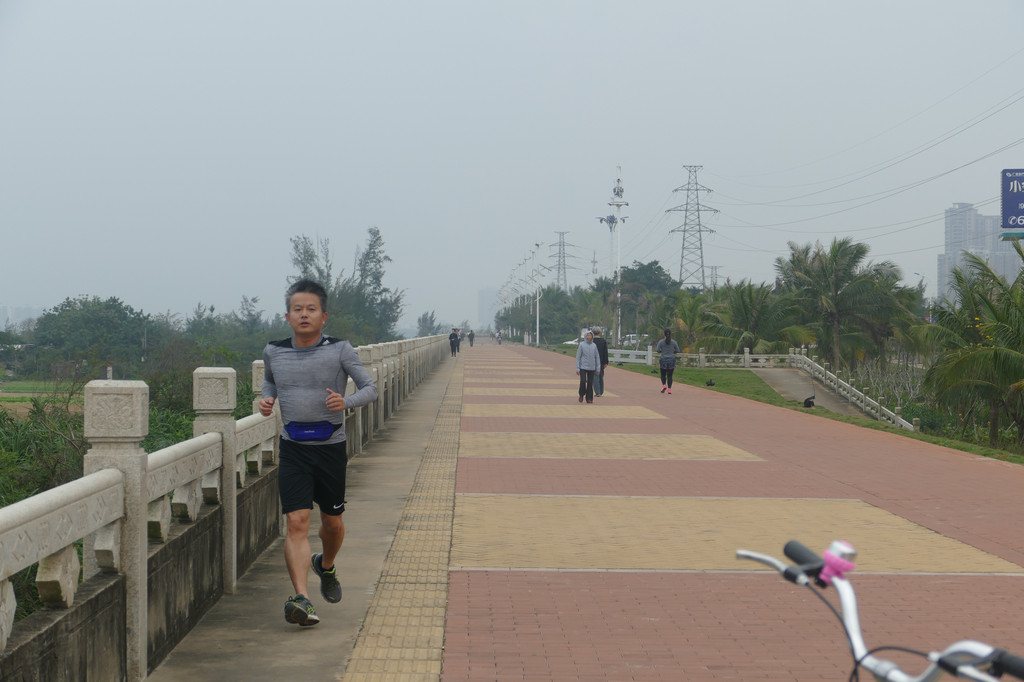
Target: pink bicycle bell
<point x="837" y="560"/>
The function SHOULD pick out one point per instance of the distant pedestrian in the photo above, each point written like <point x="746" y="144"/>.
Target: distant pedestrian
<point x="668" y="349"/>
<point x="497" y="335"/>
<point x="602" y="350"/>
<point x="471" y="336"/>
<point x="453" y="341"/>
<point x="305" y="377"/>
<point x="588" y="361"/>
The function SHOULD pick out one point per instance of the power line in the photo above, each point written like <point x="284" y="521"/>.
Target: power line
<point x="874" y="137"/>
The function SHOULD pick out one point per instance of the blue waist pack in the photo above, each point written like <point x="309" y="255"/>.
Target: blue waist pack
<point x="310" y="430"/>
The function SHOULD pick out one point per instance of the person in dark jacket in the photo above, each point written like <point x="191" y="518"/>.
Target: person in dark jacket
<point x="602" y="351"/>
<point x="668" y="348"/>
<point x="453" y="341"/>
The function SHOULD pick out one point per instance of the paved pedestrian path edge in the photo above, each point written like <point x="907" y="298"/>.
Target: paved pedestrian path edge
<point x="403" y="634"/>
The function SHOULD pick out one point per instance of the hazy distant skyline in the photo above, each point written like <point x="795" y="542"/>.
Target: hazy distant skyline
<point x="166" y="153"/>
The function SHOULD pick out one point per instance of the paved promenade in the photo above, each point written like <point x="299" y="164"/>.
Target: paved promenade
<point x="499" y="530"/>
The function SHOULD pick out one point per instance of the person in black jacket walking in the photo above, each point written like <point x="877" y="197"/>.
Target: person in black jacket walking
<point x="602" y="351"/>
<point x="453" y="341"/>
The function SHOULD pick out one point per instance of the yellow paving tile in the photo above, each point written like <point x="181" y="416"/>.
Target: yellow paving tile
<point x="561" y="411"/>
<point x="506" y="366"/>
<point x="572" y="383"/>
<point x="569" y="390"/>
<point x="599" y="446"/>
<point x="518" y="531"/>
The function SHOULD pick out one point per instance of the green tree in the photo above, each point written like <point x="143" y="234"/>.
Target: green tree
<point x="651" y="276"/>
<point x="360" y="308"/>
<point x="845" y="294"/>
<point x="102" y="331"/>
<point x="381" y="306"/>
<point x="689" y="316"/>
<point x="979" y="328"/>
<point x="755" y="317"/>
<point x="427" y="325"/>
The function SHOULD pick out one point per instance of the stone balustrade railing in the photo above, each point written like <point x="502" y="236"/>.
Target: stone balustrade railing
<point x="123" y="508"/>
<point x="866" y="404"/>
<point x="703" y="359"/>
<point x="796" y="358"/>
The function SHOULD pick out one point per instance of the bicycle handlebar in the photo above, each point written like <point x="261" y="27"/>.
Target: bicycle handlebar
<point x="1005" y="662"/>
<point x="966" y="659"/>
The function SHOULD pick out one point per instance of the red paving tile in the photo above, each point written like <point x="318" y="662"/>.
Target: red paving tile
<point x="699" y="626"/>
<point x="594" y="625"/>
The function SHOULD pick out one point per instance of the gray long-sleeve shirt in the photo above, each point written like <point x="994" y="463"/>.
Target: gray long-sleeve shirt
<point x="298" y="378"/>
<point x="587" y="356"/>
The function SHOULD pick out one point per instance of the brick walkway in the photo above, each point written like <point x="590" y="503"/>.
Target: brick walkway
<point x="596" y="542"/>
<point x="545" y="539"/>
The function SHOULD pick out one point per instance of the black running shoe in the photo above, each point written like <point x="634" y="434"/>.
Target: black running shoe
<point x="330" y="588"/>
<point x="300" y="610"/>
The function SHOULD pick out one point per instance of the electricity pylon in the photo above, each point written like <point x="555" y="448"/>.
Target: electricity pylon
<point x="691" y="257"/>
<point x="560" y="267"/>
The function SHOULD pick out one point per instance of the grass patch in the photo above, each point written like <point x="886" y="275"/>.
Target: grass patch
<point x="38" y="387"/>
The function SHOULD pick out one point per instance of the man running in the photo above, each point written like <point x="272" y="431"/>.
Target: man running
<point x="305" y="376"/>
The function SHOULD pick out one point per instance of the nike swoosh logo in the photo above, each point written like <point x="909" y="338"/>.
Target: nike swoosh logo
<point x="339" y="506"/>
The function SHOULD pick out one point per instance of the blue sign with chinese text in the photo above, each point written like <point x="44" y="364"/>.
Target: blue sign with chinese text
<point x="1013" y="199"/>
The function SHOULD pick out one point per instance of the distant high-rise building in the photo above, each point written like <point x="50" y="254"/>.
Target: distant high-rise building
<point x="487" y="307"/>
<point x="12" y="316"/>
<point x="969" y="231"/>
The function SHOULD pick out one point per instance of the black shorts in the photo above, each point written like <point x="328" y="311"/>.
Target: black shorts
<point x="312" y="473"/>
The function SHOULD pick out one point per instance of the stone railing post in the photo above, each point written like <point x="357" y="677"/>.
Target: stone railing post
<point x="214" y="399"/>
<point x="391" y="368"/>
<point x="257" y="384"/>
<point x="116" y="421"/>
<point x="377" y="360"/>
<point x="368" y="420"/>
<point x="746" y="358"/>
<point x="269" y="453"/>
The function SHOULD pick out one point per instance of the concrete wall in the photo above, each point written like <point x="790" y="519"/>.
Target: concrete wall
<point x="184" y="582"/>
<point x="84" y="642"/>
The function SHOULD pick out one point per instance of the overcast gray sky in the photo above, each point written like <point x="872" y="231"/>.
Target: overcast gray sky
<point x="165" y="152"/>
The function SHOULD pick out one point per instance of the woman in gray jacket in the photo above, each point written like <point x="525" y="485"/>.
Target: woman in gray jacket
<point x="588" y="361"/>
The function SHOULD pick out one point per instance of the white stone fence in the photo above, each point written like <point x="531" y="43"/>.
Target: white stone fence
<point x="796" y="358"/>
<point x="702" y="359"/>
<point x="128" y="497"/>
<point x="863" y="402"/>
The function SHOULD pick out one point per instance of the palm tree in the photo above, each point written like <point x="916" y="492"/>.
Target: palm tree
<point x="979" y="329"/>
<point x="845" y="295"/>
<point x="689" y="319"/>
<point x="755" y="317"/>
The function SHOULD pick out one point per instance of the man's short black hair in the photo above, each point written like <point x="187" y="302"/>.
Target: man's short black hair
<point x="306" y="286"/>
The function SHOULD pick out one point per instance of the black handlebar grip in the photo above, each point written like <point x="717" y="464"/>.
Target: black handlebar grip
<point x="1005" y="662"/>
<point x="800" y="555"/>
